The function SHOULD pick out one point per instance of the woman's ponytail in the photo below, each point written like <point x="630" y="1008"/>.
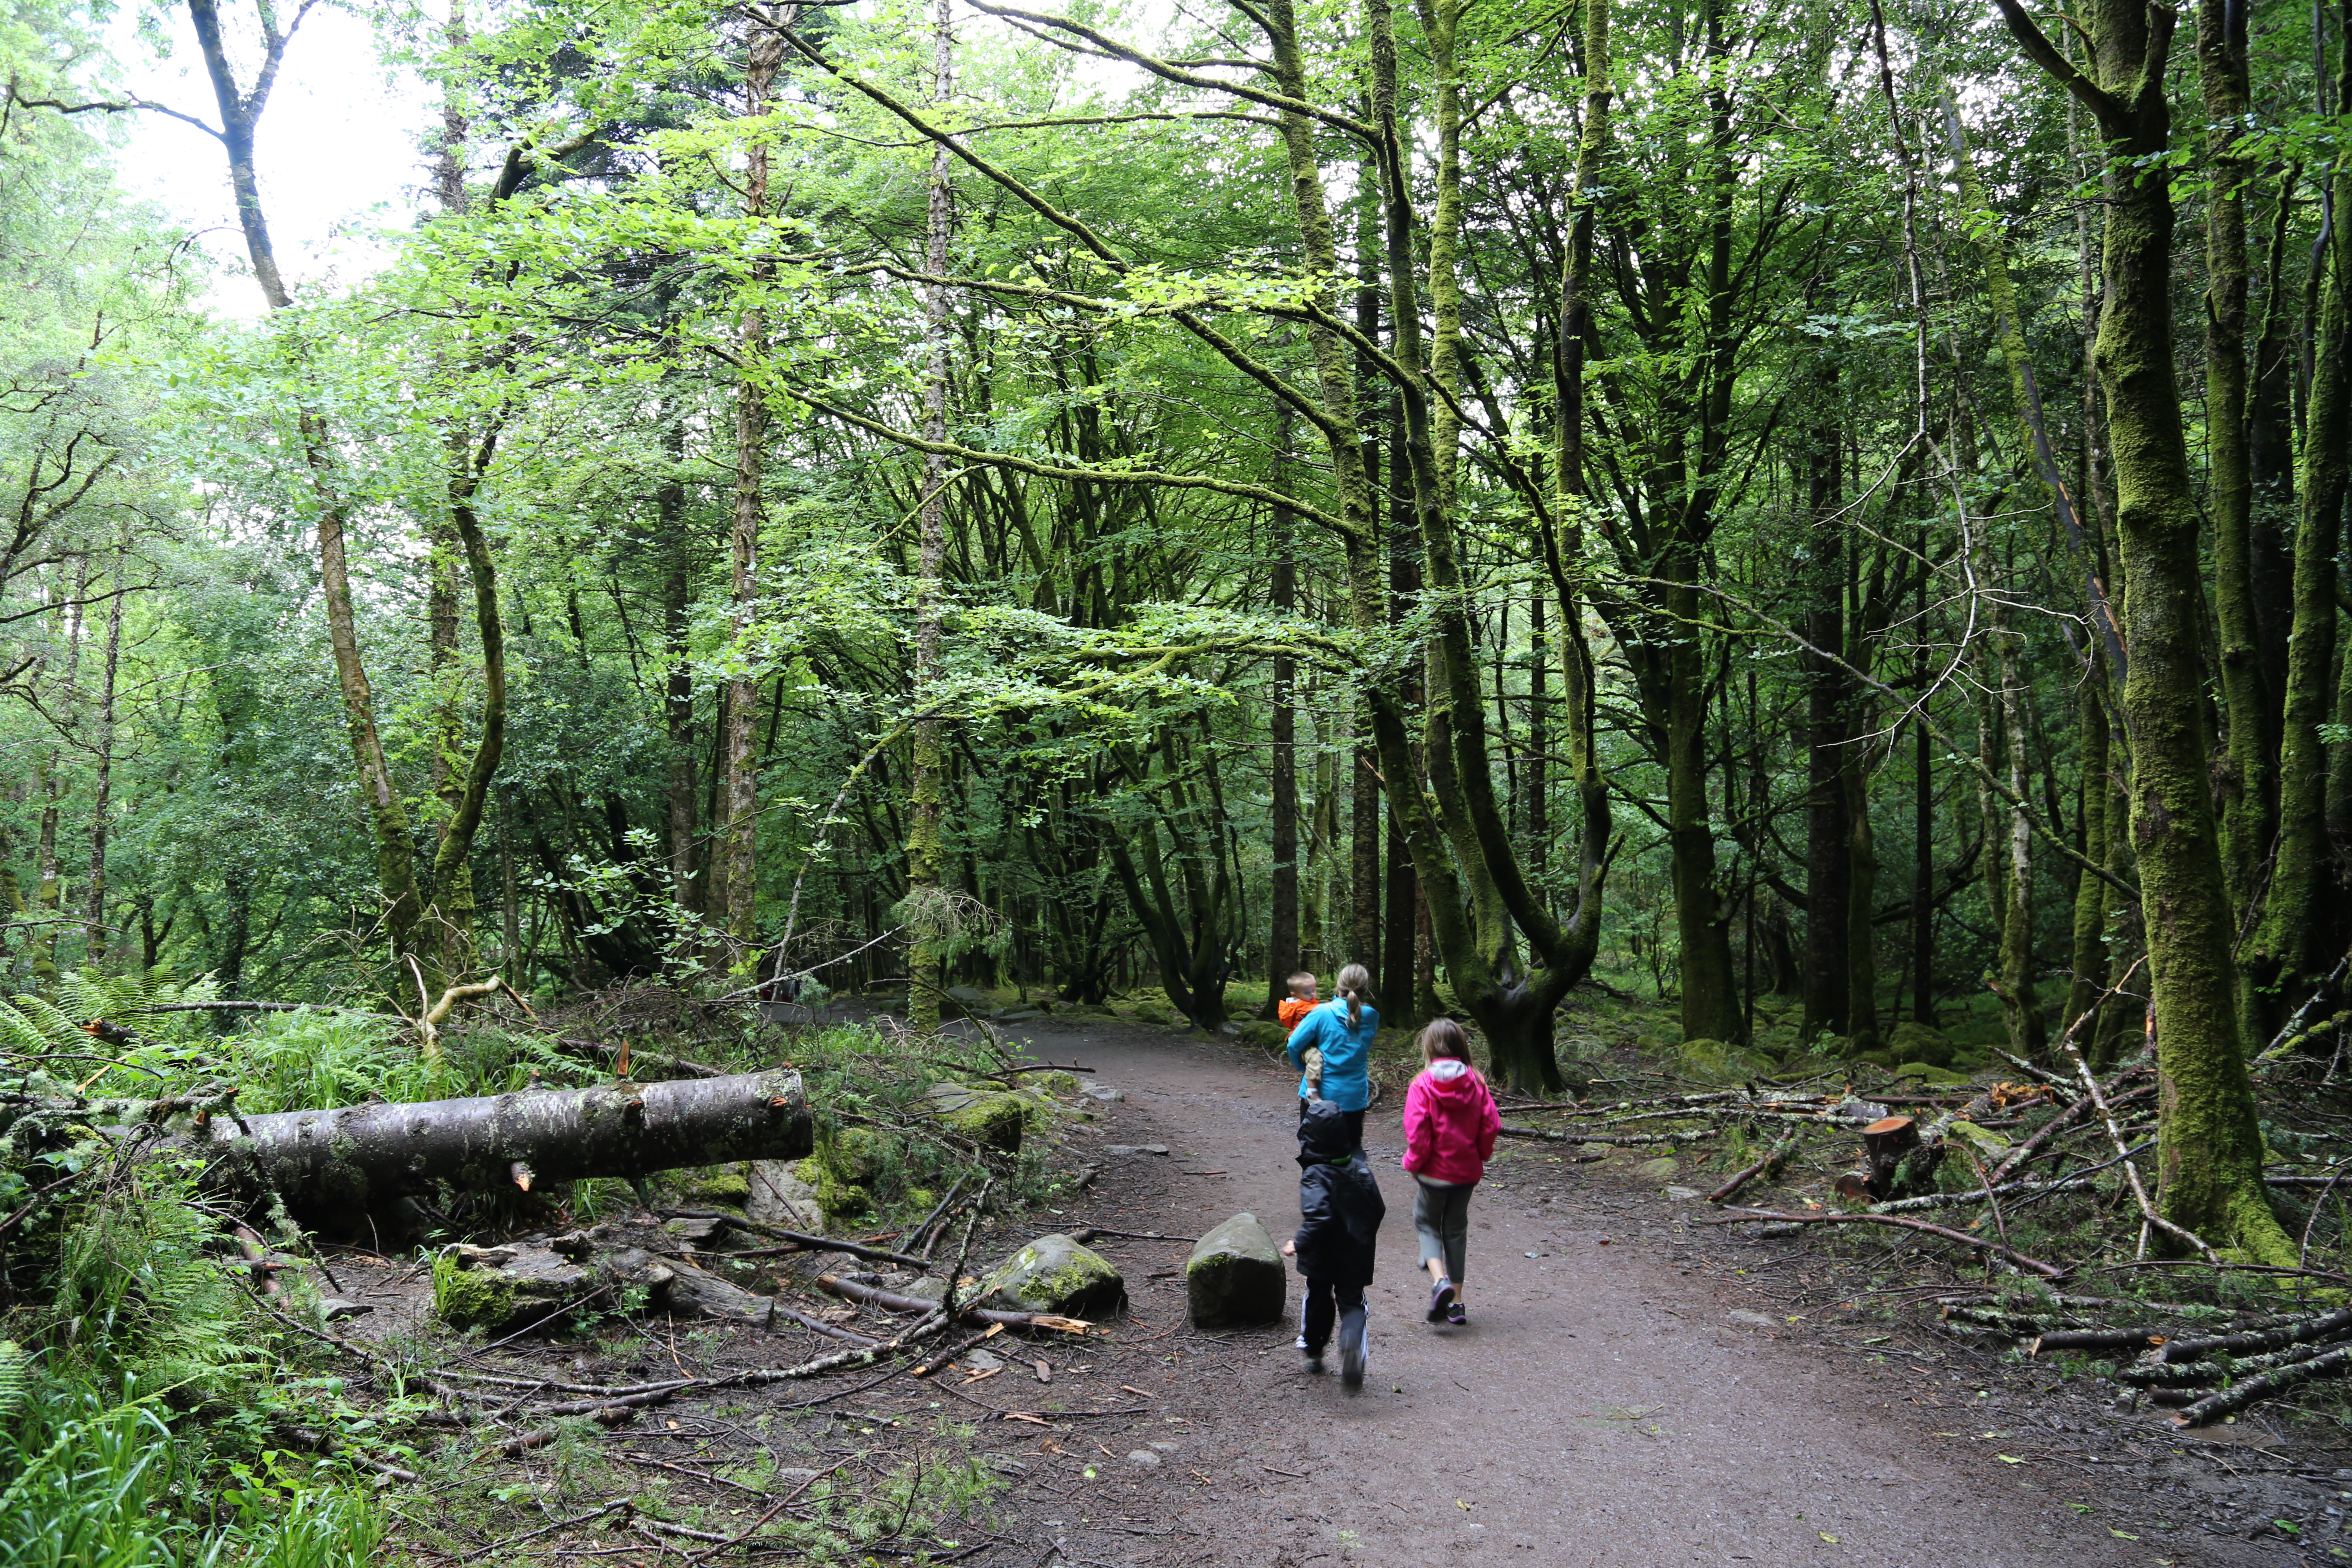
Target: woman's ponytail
<point x="1354" y="983"/>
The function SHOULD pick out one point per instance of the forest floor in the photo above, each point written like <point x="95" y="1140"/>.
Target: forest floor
<point x="1632" y="1389"/>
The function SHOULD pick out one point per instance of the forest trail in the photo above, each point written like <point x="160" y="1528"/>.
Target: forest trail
<point x="1602" y="1410"/>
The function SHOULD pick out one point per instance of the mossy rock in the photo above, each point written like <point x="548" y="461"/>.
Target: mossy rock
<point x="1158" y="1012"/>
<point x="1923" y="1073"/>
<point x="855" y="1154"/>
<point x="494" y="1287"/>
<point x="1057" y="1274"/>
<point x="993" y="1118"/>
<point x="1916" y="1042"/>
<point x="1264" y="1035"/>
<point x="1713" y="1061"/>
<point x="846" y="1163"/>
<point x="730" y="1187"/>
<point x="834" y="1198"/>
<point x="1871" y="1058"/>
<point x="465" y="1297"/>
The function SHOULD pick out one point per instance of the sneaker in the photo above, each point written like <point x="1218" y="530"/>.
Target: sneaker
<point x="1441" y="1298"/>
<point x="1352" y="1350"/>
<point x="1455" y="1314"/>
<point x="1315" y="1362"/>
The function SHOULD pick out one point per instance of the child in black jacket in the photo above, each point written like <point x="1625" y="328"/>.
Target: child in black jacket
<point x="1339" y="1213"/>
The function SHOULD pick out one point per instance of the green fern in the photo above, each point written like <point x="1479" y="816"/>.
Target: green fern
<point x="132" y="999"/>
<point x="59" y="1033"/>
<point x="20" y="1036"/>
<point x="12" y="1381"/>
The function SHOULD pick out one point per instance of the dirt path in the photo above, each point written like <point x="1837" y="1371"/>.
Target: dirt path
<point x="1602" y="1407"/>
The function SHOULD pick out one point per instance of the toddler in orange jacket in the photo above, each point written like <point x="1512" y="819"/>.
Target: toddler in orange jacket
<point x="1297" y="1005"/>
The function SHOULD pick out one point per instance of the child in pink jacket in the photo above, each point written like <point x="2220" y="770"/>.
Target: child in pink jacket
<point x="1450" y="1124"/>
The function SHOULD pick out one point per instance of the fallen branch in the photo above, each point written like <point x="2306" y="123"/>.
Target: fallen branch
<point x="2071" y="1116"/>
<point x="1629" y="1140"/>
<point x="2334" y="1364"/>
<point x="676" y="1066"/>
<point x="2095" y="1340"/>
<point x="1770" y="1167"/>
<point x="2182" y="1374"/>
<point x="611" y="1411"/>
<point x="892" y="1301"/>
<point x="1981" y="1194"/>
<point x="2033" y="1265"/>
<point x="2325" y="1327"/>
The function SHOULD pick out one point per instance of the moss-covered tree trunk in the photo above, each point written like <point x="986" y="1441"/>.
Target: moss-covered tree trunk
<point x="2296" y="945"/>
<point x="2091" y="896"/>
<point x="2247" y="786"/>
<point x="2209" y="1148"/>
<point x="2021" y="1004"/>
<point x="927" y="792"/>
<point x="1829" y="834"/>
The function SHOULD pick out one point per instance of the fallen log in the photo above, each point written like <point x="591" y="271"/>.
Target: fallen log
<point x="340" y="1161"/>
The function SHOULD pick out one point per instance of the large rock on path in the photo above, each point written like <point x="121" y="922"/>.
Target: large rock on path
<point x="1057" y="1274"/>
<point x="1235" y="1276"/>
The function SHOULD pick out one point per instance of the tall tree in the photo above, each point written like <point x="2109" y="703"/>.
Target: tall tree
<point x="2209" y="1149"/>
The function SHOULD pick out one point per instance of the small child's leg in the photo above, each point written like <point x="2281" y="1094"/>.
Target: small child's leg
<point x="1318" y="1315"/>
<point x="1429" y="1206"/>
<point x="1457" y="1235"/>
<point x="1352" y="1314"/>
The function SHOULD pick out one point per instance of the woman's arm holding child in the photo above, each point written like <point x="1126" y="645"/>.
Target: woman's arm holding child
<point x="1309" y="1032"/>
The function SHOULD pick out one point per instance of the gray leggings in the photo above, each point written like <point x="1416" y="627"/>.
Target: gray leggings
<point x="1441" y="1217"/>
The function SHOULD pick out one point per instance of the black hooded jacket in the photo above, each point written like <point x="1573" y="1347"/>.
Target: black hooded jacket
<point x="1339" y="1205"/>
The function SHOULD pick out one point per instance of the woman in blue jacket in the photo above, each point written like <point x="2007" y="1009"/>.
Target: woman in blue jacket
<point x="1342" y="1029"/>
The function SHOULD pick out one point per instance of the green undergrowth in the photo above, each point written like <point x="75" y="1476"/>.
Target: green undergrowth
<point x="882" y="1491"/>
<point x="152" y="1411"/>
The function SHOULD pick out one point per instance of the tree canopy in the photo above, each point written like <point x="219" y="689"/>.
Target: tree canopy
<point x="1830" y="514"/>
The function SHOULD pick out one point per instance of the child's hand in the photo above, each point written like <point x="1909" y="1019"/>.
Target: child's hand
<point x="1290" y="1248"/>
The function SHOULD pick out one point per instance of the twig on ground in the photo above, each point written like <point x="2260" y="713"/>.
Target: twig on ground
<point x="2032" y="1265"/>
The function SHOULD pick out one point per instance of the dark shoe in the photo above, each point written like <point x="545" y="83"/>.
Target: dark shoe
<point x="1352" y="1350"/>
<point x="1441" y="1298"/>
<point x="1455" y="1314"/>
<point x="1315" y="1361"/>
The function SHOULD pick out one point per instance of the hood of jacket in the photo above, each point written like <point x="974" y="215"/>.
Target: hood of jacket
<point x="1324" y="1137"/>
<point x="1451" y="1082"/>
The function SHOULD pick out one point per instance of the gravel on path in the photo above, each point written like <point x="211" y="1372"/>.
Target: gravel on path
<point x="1605" y="1407"/>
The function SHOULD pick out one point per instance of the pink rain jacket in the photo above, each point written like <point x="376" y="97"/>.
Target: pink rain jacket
<point x="1450" y="1124"/>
